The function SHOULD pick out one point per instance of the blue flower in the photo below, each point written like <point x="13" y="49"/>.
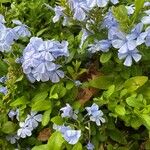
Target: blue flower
<point x="33" y="119"/>
<point x="61" y="128"/>
<point x="90" y="146"/>
<point x="72" y="136"/>
<point x="137" y="34"/>
<point x="100" y="3"/>
<point x="3" y="90"/>
<point x="2" y="19"/>
<point x="58" y="12"/>
<point x="12" y="138"/>
<point x="24" y="130"/>
<point x="85" y="35"/>
<point x="21" y="29"/>
<point x="95" y="114"/>
<point x="102" y="45"/>
<point x="146" y="4"/>
<point x="68" y="112"/>
<point x="91" y="110"/>
<point x="146" y="19"/>
<point x="3" y="79"/>
<point x="129" y="55"/>
<point x="130" y="9"/>
<point x="77" y="83"/>
<point x="12" y="114"/>
<point x="79" y="8"/>
<point x="109" y="21"/>
<point x="147" y="39"/>
<point x="124" y="42"/>
<point x="38" y="59"/>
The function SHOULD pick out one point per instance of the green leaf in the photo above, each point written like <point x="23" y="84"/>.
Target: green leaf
<point x="20" y="101"/>
<point x="55" y="141"/>
<point x="117" y="136"/>
<point x="146" y="120"/>
<point x="102" y="82"/>
<point x="77" y="146"/>
<point x="42" y="105"/>
<point x="133" y="102"/>
<point x="134" y="83"/>
<point x="69" y="85"/>
<point x="136" y="122"/>
<point x="57" y="91"/>
<point x="109" y="92"/>
<point x="120" y="110"/>
<point x="5" y="1"/>
<point x="138" y="5"/>
<point x="57" y="120"/>
<point x="3" y="68"/>
<point x="40" y="96"/>
<point x="120" y="13"/>
<point x="46" y="117"/>
<point x="8" y="127"/>
<point x="40" y="147"/>
<point x="105" y="57"/>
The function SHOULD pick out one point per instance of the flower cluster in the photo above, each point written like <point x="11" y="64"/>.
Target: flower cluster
<point x="95" y="114"/>
<point x="31" y="122"/>
<point x="9" y="35"/>
<point x="38" y="59"/>
<point x="79" y="9"/>
<point x="70" y="135"/>
<point x="125" y="43"/>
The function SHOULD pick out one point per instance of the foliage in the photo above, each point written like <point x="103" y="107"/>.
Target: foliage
<point x="103" y="97"/>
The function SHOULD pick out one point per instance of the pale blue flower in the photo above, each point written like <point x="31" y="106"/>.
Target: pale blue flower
<point x="146" y="19"/>
<point x="77" y="83"/>
<point x="3" y="90"/>
<point x="130" y="9"/>
<point x="129" y="56"/>
<point x="124" y="42"/>
<point x="3" y="79"/>
<point x="91" y="110"/>
<point x="12" y="138"/>
<point x="79" y="9"/>
<point x="147" y="39"/>
<point x="97" y="117"/>
<point x="7" y="37"/>
<point x="100" y="3"/>
<point x="24" y="130"/>
<point x="146" y="4"/>
<point x="85" y="35"/>
<point x="95" y="114"/>
<point x="61" y="128"/>
<point x="58" y="12"/>
<point x="109" y="21"/>
<point x="33" y="119"/>
<point x="19" y="60"/>
<point x="90" y="146"/>
<point x="102" y="45"/>
<point x="21" y="29"/>
<point x="137" y="34"/>
<point x="12" y="114"/>
<point x="72" y="136"/>
<point x="2" y="19"/>
<point x="68" y="112"/>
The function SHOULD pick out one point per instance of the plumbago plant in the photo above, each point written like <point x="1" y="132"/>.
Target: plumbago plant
<point x="74" y="74"/>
